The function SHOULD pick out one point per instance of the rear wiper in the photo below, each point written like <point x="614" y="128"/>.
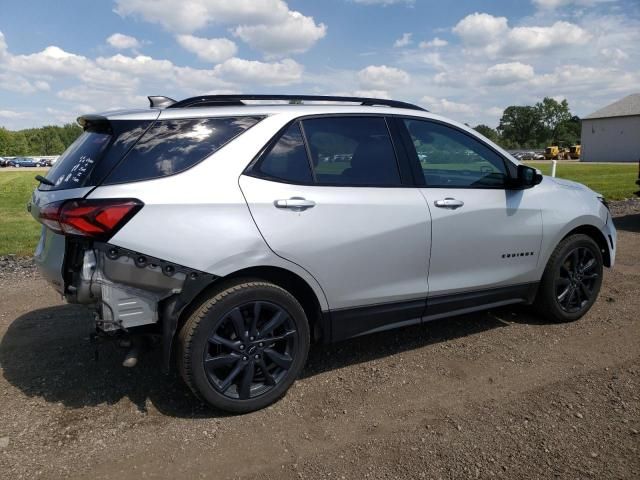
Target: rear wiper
<point x="46" y="181"/>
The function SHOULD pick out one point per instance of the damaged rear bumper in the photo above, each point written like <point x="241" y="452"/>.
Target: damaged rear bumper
<point x="130" y="289"/>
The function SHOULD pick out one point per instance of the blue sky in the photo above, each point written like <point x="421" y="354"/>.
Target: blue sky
<point x="464" y="59"/>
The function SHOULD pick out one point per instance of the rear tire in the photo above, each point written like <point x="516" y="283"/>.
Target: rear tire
<point x="244" y="347"/>
<point x="571" y="280"/>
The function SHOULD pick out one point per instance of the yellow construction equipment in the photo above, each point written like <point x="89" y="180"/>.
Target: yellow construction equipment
<point x="574" y="151"/>
<point x="552" y="152"/>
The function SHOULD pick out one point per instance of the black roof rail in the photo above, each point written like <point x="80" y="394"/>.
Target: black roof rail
<point x="238" y="100"/>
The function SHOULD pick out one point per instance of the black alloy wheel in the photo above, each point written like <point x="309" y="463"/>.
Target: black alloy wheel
<point x="251" y="350"/>
<point x="576" y="279"/>
<point x="244" y="346"/>
<point x="571" y="280"/>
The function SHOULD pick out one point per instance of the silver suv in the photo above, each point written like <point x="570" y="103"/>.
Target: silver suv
<point x="241" y="232"/>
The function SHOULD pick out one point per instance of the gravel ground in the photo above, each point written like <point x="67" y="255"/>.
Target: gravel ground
<point x="500" y="394"/>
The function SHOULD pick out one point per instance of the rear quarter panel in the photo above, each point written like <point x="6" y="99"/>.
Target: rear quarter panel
<point x="199" y="218"/>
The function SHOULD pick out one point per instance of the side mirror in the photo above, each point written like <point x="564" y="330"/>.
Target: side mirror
<point x="528" y="177"/>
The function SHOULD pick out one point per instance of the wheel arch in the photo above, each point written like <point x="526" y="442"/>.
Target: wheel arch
<point x="286" y="279"/>
<point x="294" y="284"/>
<point x="596" y="234"/>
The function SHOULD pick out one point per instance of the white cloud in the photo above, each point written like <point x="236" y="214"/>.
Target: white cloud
<point x="84" y="99"/>
<point x="50" y="61"/>
<point x="432" y="59"/>
<point x="295" y="34"/>
<point x="4" y="52"/>
<point x="614" y="55"/>
<point x="442" y="105"/>
<point x="539" y="39"/>
<point x="11" y="114"/>
<point x="488" y="35"/>
<point x="209" y="49"/>
<point x="13" y="82"/>
<point x="506" y="73"/>
<point x="123" y="42"/>
<point x="284" y="72"/>
<point x="371" y="93"/>
<point x="480" y="28"/>
<point x="191" y="15"/>
<point x="435" y="43"/>
<point x="138" y="66"/>
<point x="381" y="77"/>
<point x="268" y="26"/>
<point x="495" y="111"/>
<point x="119" y="80"/>
<point x="403" y="41"/>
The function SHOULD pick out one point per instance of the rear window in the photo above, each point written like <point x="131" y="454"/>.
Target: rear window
<point x="94" y="154"/>
<point x="172" y="146"/>
<point x="75" y="165"/>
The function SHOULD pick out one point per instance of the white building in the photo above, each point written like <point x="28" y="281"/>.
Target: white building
<point x="612" y="134"/>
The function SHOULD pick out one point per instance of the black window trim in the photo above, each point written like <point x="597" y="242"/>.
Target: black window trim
<point x="153" y="123"/>
<point x="307" y="149"/>
<point x="412" y="155"/>
<point x="406" y="180"/>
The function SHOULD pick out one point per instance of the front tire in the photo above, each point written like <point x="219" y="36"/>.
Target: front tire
<point x="244" y="347"/>
<point x="571" y="280"/>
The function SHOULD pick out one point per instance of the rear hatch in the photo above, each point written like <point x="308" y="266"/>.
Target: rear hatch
<point x="77" y="171"/>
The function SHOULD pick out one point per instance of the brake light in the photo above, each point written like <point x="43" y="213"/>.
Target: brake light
<point x="99" y="219"/>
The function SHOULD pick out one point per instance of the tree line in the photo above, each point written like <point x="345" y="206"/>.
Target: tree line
<point x="49" y="140"/>
<point x="548" y="122"/>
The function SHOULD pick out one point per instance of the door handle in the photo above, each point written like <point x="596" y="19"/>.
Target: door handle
<point x="295" y="203"/>
<point x="449" y="202"/>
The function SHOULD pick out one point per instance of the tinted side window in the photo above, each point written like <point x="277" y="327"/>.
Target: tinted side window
<point x="171" y="146"/>
<point x="125" y="134"/>
<point x="287" y="159"/>
<point x="450" y="158"/>
<point x="352" y="151"/>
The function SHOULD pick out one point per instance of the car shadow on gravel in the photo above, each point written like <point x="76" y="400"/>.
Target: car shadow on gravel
<point x="47" y="353"/>
<point x="628" y="223"/>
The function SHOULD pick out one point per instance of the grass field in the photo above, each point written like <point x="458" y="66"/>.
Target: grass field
<point x="19" y="232"/>
<point x="615" y="182"/>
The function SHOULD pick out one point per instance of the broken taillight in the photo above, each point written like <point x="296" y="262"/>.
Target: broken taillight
<point x="99" y="218"/>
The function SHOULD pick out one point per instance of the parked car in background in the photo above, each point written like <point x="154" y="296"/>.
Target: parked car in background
<point x="3" y="162"/>
<point x="23" y="162"/>
<point x="245" y="246"/>
<point x="44" y="162"/>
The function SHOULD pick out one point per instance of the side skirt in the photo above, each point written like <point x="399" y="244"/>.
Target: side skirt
<point x="353" y="322"/>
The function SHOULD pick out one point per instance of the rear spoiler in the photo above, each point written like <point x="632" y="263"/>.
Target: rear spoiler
<point x="94" y="122"/>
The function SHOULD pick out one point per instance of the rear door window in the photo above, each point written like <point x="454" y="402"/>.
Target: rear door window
<point x="352" y="151"/>
<point x="172" y="146"/>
